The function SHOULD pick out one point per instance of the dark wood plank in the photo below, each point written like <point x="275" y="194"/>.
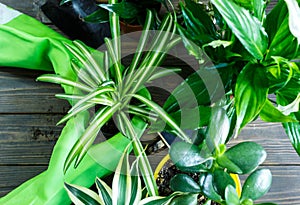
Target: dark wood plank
<point x="273" y="138"/>
<point x="10" y="179"/>
<point x="29" y="7"/>
<point x="20" y="93"/>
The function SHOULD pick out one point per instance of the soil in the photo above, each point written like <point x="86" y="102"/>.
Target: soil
<point x="163" y="181"/>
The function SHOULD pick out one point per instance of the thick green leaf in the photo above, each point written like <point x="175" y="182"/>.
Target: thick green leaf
<point x="246" y="27"/>
<point x="190" y="199"/>
<point x="186" y="155"/>
<point x="270" y="113"/>
<point x="290" y="108"/>
<point x="105" y="192"/>
<point x="207" y="187"/>
<point x="81" y="195"/>
<point x="250" y="93"/>
<point x="218" y="128"/>
<point x="257" y="184"/>
<point x="231" y="196"/>
<point x="221" y="180"/>
<point x="234" y="158"/>
<point x="184" y="183"/>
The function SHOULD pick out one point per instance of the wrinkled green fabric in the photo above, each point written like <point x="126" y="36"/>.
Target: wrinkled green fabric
<point x="26" y="43"/>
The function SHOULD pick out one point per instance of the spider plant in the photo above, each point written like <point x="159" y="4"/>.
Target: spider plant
<point x="110" y="85"/>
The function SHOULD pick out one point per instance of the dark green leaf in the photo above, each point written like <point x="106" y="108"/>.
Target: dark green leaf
<point x="124" y="9"/>
<point x="190" y="199"/>
<point x="221" y="180"/>
<point x="270" y="113"/>
<point x="257" y="184"/>
<point x="184" y="183"/>
<point x="186" y="155"/>
<point x="234" y="158"/>
<point x="99" y="16"/>
<point x="231" y="196"/>
<point x="82" y="195"/>
<point x="250" y="93"/>
<point x="246" y="27"/>
<point x="207" y="187"/>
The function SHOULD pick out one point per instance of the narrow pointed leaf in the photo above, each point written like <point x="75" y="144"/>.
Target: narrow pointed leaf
<point x="104" y="191"/>
<point x="52" y="78"/>
<point x="81" y="195"/>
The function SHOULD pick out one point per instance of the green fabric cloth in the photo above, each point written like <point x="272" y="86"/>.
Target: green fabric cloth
<point x="27" y="43"/>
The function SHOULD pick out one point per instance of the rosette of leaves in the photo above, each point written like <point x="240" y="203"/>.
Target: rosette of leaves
<point x="126" y="189"/>
<point x="111" y="86"/>
<point x="215" y="164"/>
<point x="255" y="54"/>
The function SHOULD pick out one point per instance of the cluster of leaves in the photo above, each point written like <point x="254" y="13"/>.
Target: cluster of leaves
<point x="131" y="11"/>
<point x="126" y="190"/>
<point x="255" y="55"/>
<point x="215" y="164"/>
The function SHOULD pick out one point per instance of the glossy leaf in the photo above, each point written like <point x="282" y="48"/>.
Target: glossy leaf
<point x="250" y="94"/>
<point x="218" y="128"/>
<point x="246" y="27"/>
<point x="221" y="180"/>
<point x="270" y="113"/>
<point x="190" y="199"/>
<point x="186" y="155"/>
<point x="207" y="187"/>
<point x="234" y="158"/>
<point x="62" y="2"/>
<point x="257" y="184"/>
<point x="231" y="196"/>
<point x="124" y="9"/>
<point x="81" y="195"/>
<point x="290" y="108"/>
<point x="184" y="183"/>
<point x="98" y="16"/>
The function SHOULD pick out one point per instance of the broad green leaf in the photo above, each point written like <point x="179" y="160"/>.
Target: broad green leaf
<point x="221" y="180"/>
<point x="98" y="16"/>
<point x="218" y="128"/>
<point x="190" y="199"/>
<point x="184" y="183"/>
<point x="270" y="113"/>
<point x="250" y="93"/>
<point x="124" y="9"/>
<point x="257" y="184"/>
<point x="234" y="158"/>
<point x="186" y="155"/>
<point x="105" y="192"/>
<point x="81" y="195"/>
<point x="231" y="196"/>
<point x="246" y="27"/>
<point x="294" y="17"/>
<point x="207" y="187"/>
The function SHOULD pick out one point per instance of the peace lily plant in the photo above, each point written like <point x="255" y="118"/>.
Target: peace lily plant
<point x="254" y="53"/>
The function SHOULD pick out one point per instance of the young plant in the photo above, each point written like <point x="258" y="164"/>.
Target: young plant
<point x="112" y="86"/>
<point x="255" y="55"/>
<point x="215" y="165"/>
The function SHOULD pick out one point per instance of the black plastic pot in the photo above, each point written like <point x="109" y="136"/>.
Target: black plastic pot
<point x="69" y="19"/>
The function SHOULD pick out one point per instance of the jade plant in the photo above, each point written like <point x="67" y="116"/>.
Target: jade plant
<point x="215" y="164"/>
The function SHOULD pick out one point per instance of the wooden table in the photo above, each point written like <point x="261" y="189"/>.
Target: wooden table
<point x="29" y="112"/>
